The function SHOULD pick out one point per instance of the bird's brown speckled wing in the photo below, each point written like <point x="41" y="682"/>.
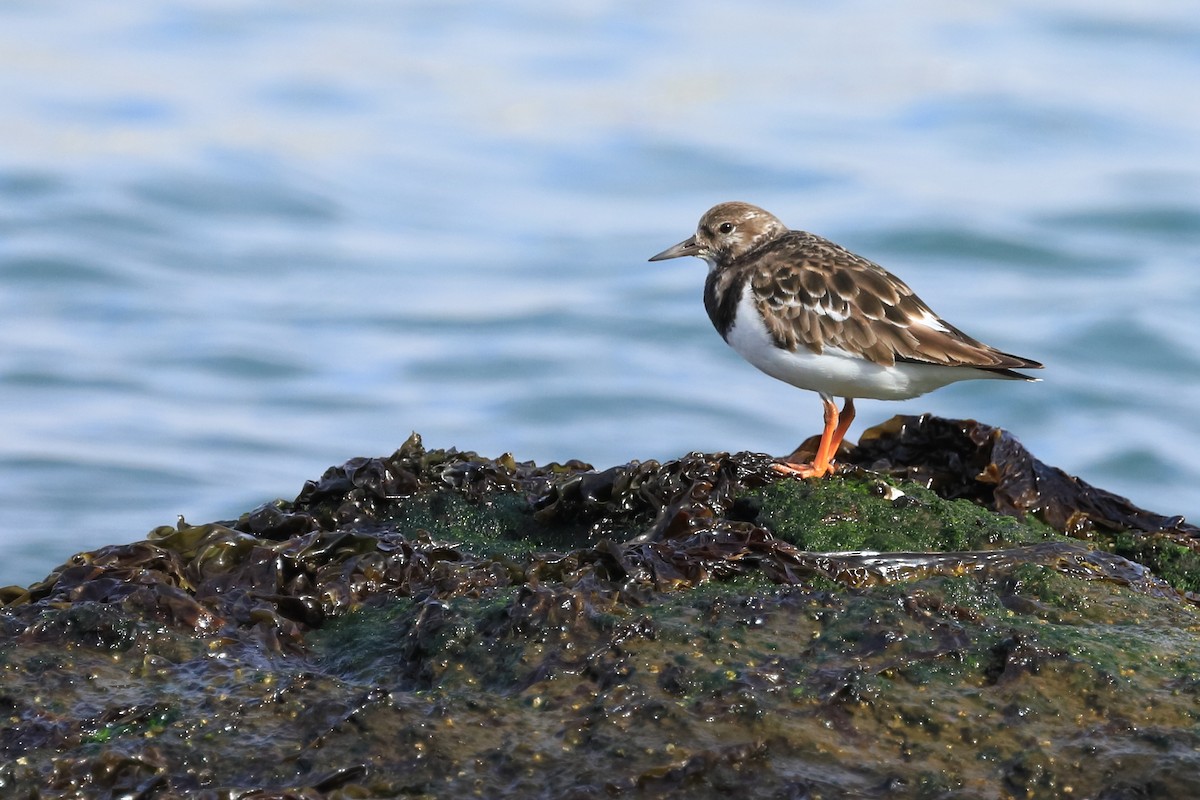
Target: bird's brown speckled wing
<point x="816" y="294"/>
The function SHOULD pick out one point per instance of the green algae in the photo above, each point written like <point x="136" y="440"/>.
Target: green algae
<point x="503" y="525"/>
<point x="1179" y="564"/>
<point x="869" y="513"/>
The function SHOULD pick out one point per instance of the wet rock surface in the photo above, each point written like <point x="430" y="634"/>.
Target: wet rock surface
<point x="946" y="617"/>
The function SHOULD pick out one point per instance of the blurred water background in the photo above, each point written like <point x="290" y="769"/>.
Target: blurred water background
<point x="241" y="242"/>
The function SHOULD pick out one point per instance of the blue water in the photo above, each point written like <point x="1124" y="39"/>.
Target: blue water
<point x="242" y="242"/>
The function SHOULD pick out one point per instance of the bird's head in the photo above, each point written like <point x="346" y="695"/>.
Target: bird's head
<point x="726" y="232"/>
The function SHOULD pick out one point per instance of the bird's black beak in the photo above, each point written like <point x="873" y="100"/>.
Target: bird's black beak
<point x="688" y="247"/>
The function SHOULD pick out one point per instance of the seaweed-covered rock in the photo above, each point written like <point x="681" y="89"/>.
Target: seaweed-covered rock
<point x="949" y="618"/>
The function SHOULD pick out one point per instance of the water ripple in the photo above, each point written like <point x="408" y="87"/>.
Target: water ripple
<point x="278" y="236"/>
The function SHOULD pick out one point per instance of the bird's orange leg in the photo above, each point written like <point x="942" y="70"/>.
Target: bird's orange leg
<point x="845" y="418"/>
<point x="836" y="426"/>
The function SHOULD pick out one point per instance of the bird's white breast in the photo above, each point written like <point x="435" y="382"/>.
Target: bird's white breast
<point x="835" y="371"/>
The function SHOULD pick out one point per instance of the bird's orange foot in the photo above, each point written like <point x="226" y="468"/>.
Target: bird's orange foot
<point x="803" y="471"/>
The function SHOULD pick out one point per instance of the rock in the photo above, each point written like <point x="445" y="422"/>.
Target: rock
<point x="949" y="617"/>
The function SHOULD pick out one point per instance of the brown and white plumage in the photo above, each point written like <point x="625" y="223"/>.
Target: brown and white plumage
<point x="813" y="314"/>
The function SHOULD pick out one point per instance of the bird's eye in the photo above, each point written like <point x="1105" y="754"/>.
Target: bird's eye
<point x="725" y="227"/>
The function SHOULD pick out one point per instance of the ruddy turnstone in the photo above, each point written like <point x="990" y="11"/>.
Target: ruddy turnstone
<point x="811" y="313"/>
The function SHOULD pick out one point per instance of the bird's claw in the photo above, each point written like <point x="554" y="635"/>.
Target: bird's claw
<point x="803" y="471"/>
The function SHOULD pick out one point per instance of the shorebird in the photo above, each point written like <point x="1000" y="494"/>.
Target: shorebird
<point x="811" y="313"/>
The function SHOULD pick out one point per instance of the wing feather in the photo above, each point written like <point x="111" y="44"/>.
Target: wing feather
<point x="816" y="294"/>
